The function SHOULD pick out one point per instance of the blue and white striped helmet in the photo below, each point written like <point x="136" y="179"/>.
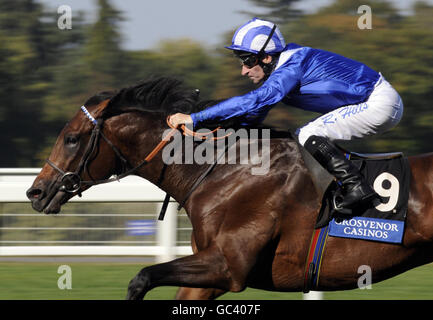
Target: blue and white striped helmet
<point x="253" y="35"/>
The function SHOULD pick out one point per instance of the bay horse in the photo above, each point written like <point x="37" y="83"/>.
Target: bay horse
<point x="248" y="230"/>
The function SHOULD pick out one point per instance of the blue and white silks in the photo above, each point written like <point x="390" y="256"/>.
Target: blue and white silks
<point x="306" y="78"/>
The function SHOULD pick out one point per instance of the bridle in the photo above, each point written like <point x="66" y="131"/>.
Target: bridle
<point x="71" y="182"/>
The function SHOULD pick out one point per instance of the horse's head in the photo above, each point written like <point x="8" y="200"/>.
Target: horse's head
<point x="86" y="150"/>
<point x="78" y="155"/>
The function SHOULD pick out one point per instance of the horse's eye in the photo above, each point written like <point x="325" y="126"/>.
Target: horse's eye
<point x="71" y="140"/>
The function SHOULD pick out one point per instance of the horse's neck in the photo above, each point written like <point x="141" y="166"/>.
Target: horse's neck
<point x="178" y="179"/>
<point x="175" y="179"/>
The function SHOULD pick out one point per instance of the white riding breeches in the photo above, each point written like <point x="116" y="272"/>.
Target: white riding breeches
<point x="381" y="112"/>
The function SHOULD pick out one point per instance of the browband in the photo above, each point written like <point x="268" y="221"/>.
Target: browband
<point x="88" y="115"/>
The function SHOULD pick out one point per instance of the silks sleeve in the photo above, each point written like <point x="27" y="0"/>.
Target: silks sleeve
<point x="274" y="89"/>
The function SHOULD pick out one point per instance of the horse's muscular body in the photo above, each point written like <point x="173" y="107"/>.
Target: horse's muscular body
<point x="247" y="230"/>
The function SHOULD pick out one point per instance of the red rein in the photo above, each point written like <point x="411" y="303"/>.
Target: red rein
<point x="201" y="135"/>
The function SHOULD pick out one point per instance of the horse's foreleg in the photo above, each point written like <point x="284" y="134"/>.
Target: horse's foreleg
<point x="205" y="269"/>
<point x="185" y="293"/>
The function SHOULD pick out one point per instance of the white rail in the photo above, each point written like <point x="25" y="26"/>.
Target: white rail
<point x="14" y="183"/>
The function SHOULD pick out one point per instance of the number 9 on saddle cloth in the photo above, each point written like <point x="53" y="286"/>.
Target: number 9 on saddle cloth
<point x="388" y="174"/>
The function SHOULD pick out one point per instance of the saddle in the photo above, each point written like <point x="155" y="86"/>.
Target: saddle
<point x="371" y="165"/>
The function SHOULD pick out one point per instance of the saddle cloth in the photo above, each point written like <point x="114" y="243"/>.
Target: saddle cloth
<point x="382" y="220"/>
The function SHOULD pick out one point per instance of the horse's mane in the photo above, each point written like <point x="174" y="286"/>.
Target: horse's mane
<point x="163" y="95"/>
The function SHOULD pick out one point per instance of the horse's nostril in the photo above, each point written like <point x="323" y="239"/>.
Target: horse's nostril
<point x="34" y="193"/>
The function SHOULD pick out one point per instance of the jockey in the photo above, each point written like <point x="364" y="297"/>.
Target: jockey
<point x="354" y="100"/>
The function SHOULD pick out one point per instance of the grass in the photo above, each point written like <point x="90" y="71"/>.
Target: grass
<point x="108" y="281"/>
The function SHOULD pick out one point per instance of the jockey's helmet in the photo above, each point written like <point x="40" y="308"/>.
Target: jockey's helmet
<point x="258" y="36"/>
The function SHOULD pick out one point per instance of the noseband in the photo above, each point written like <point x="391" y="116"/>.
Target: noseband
<point x="71" y="182"/>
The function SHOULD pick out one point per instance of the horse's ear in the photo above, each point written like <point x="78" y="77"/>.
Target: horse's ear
<point x="102" y="106"/>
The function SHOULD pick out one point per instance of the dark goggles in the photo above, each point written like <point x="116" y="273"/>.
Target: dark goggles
<point x="247" y="59"/>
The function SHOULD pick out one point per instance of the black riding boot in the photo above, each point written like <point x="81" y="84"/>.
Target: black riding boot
<point x="355" y="188"/>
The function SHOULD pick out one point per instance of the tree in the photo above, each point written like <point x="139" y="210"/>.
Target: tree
<point x="188" y="61"/>
<point x="104" y="58"/>
<point x="278" y="11"/>
<point x="32" y="45"/>
<point x="95" y="62"/>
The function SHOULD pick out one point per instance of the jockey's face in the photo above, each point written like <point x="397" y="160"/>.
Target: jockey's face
<point x="256" y="73"/>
